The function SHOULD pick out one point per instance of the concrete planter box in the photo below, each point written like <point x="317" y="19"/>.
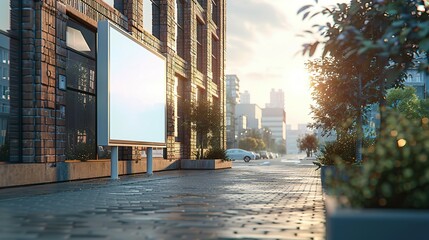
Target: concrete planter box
<point x="205" y="164"/>
<point x="333" y="173"/>
<point x="374" y="224"/>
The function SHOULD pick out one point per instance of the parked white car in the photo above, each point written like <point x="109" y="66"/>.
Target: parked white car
<point x="239" y="154"/>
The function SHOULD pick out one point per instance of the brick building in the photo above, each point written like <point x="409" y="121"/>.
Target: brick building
<point x="48" y="80"/>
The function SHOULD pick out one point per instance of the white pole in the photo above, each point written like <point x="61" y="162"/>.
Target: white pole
<point x="114" y="164"/>
<point x="149" y="161"/>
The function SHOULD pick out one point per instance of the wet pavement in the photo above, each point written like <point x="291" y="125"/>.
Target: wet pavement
<point x="262" y="199"/>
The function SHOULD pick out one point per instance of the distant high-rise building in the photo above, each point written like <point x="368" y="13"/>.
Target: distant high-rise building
<point x="245" y="97"/>
<point x="253" y="115"/>
<point x="293" y="135"/>
<point x="277" y="99"/>
<point x="232" y="99"/>
<point x="275" y="120"/>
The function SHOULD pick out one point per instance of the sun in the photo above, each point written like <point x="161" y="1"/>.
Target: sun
<point x="298" y="81"/>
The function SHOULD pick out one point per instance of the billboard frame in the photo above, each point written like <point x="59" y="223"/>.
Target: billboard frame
<point x="104" y="126"/>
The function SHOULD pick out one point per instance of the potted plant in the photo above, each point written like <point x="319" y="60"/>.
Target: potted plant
<point x="389" y="197"/>
<point x="205" y="119"/>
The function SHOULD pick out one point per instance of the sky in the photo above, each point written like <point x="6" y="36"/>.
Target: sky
<point x="263" y="50"/>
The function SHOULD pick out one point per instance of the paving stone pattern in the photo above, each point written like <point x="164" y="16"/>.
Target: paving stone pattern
<point x="256" y="200"/>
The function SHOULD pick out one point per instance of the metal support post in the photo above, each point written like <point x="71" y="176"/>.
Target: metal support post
<point x="149" y="161"/>
<point x="114" y="164"/>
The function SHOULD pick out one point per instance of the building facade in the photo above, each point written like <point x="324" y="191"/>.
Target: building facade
<point x="245" y="97"/>
<point x="253" y="114"/>
<point x="418" y="80"/>
<point x="277" y="99"/>
<point x="293" y="135"/>
<point x="48" y="75"/>
<point x="232" y="99"/>
<point x="275" y="120"/>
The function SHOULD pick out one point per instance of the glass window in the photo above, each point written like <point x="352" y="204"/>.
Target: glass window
<point x="5" y="92"/>
<point x="215" y="60"/>
<point x="151" y="17"/>
<point x="80" y="109"/>
<point x="179" y="107"/>
<point x="80" y="126"/>
<point x="5" y="73"/>
<point x="202" y="3"/>
<point x="80" y="72"/>
<point x="5" y="57"/>
<point x="81" y="39"/>
<point x="200" y="47"/>
<point x="5" y="15"/>
<point x="10" y="75"/>
<point x="180" y="35"/>
<point x="215" y="12"/>
<point x="110" y="2"/>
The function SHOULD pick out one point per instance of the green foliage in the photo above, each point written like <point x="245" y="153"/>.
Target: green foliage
<point x="341" y="151"/>
<point x="340" y="92"/>
<point x="248" y="143"/>
<point x="308" y="143"/>
<point x="396" y="172"/>
<point x="406" y="101"/>
<point x="206" y="120"/>
<point x="252" y="140"/>
<point x="216" y="153"/>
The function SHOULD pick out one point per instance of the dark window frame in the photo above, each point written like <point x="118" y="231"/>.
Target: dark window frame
<point x="84" y="94"/>
<point x="200" y="46"/>
<point x="14" y="34"/>
<point x="156" y="18"/>
<point x="180" y="30"/>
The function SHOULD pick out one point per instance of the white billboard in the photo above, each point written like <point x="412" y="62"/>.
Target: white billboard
<point x="131" y="91"/>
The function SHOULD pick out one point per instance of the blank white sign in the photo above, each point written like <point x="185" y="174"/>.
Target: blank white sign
<point x="133" y="81"/>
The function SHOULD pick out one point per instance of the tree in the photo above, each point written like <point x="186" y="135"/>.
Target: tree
<point x="406" y="101"/>
<point x="351" y="38"/>
<point x="206" y="120"/>
<point x="267" y="137"/>
<point x="339" y="100"/>
<point x="308" y="143"/>
<point x="383" y="34"/>
<point x="248" y="143"/>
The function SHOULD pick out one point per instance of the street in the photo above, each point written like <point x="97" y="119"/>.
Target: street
<point x="262" y="199"/>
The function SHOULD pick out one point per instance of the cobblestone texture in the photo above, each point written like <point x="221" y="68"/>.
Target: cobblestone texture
<point x="256" y="200"/>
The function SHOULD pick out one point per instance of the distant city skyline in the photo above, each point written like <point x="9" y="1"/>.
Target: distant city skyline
<point x="263" y="50"/>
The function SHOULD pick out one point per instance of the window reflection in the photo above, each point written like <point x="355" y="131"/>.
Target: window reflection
<point x="5" y="15"/>
<point x="80" y="96"/>
<point x="110" y="2"/>
<point x="80" y="72"/>
<point x="180" y="35"/>
<point x="151" y="17"/>
<point x="80" y="125"/>
<point x="80" y="39"/>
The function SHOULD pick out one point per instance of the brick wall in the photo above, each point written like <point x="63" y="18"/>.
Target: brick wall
<point x="44" y="59"/>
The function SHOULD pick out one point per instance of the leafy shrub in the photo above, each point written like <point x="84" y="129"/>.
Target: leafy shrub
<point x="396" y="173"/>
<point x="216" y="153"/>
<point x="342" y="151"/>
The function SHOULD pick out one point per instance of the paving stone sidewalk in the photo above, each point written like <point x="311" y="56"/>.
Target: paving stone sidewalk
<point x="276" y="199"/>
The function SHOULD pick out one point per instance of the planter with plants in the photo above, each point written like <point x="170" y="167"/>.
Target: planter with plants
<point x="389" y="197"/>
<point x="341" y="152"/>
<point x="213" y="159"/>
<point x="206" y="120"/>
